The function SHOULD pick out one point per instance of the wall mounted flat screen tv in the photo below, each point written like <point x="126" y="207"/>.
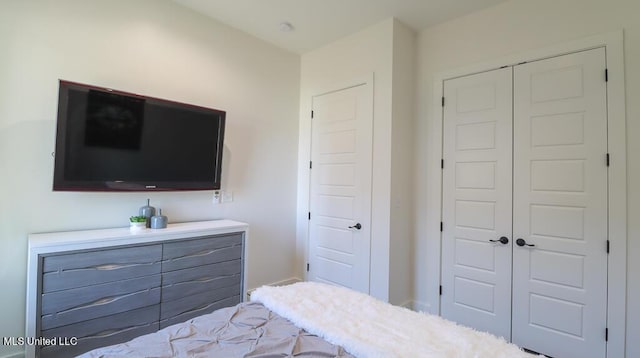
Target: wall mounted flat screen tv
<point x="109" y="140"/>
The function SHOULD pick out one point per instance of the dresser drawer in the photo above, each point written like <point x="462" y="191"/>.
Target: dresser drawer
<point x="188" y="307"/>
<point x="179" y="318"/>
<point x="202" y="251"/>
<point x="66" y="307"/>
<point x="191" y="281"/>
<point x="103" y="331"/>
<point x="62" y="272"/>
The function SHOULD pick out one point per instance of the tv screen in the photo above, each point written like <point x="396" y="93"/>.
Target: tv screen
<point x="110" y="140"/>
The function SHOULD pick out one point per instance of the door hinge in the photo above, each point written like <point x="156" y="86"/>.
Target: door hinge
<point x="606" y="334"/>
<point x="608" y="159"/>
<point x="608" y="246"/>
<point x="441" y="226"/>
<point x="442" y="101"/>
<point x="310" y="164"/>
<point x="606" y="75"/>
<point x="311" y="114"/>
<point x="309" y="215"/>
<point x="440" y="290"/>
<point x="307" y="267"/>
<point x="442" y="163"/>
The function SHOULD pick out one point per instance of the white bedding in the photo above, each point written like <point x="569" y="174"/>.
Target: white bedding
<point x="367" y="327"/>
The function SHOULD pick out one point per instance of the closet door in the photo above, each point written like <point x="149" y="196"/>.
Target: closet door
<point x="560" y="205"/>
<point x="477" y="176"/>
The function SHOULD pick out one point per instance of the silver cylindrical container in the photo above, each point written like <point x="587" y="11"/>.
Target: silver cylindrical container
<point x="159" y="221"/>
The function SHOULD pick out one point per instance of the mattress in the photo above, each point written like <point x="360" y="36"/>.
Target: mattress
<point x="245" y="330"/>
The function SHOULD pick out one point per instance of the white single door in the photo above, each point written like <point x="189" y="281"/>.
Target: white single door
<point x="340" y="188"/>
<point x="560" y="205"/>
<point x="476" y="265"/>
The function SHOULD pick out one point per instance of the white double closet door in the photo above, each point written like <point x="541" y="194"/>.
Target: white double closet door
<point x="525" y="162"/>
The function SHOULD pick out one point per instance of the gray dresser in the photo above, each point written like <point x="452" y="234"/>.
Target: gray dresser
<point x="114" y="285"/>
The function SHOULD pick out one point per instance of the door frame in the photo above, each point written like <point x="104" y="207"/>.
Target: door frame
<point x="304" y="175"/>
<point x="613" y="42"/>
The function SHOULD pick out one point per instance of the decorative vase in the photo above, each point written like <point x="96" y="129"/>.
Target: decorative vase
<point x="147" y="211"/>
<point x="159" y="221"/>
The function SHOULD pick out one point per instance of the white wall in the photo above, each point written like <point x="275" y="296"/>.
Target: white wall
<point x="339" y="64"/>
<point x="520" y="26"/>
<point x="401" y="242"/>
<point x="160" y="49"/>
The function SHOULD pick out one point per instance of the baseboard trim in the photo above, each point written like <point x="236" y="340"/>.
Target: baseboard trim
<point x="407" y="305"/>
<point x="279" y="283"/>
<point x="421" y="306"/>
<point x="417" y="306"/>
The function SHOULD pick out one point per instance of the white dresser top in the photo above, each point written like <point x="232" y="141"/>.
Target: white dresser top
<point x="84" y="239"/>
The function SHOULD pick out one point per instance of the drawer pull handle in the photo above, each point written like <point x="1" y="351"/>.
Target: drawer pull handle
<point x="110" y="267"/>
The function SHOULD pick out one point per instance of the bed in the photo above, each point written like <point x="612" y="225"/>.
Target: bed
<point x="309" y="319"/>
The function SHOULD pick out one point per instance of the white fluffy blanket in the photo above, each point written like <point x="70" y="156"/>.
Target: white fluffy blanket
<point x="367" y="327"/>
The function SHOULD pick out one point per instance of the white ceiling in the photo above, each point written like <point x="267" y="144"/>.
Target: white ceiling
<point x="320" y="22"/>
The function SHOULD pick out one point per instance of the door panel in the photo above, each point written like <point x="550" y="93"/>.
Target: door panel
<point x="560" y="205"/>
<point x="340" y="195"/>
<point x="476" y="272"/>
